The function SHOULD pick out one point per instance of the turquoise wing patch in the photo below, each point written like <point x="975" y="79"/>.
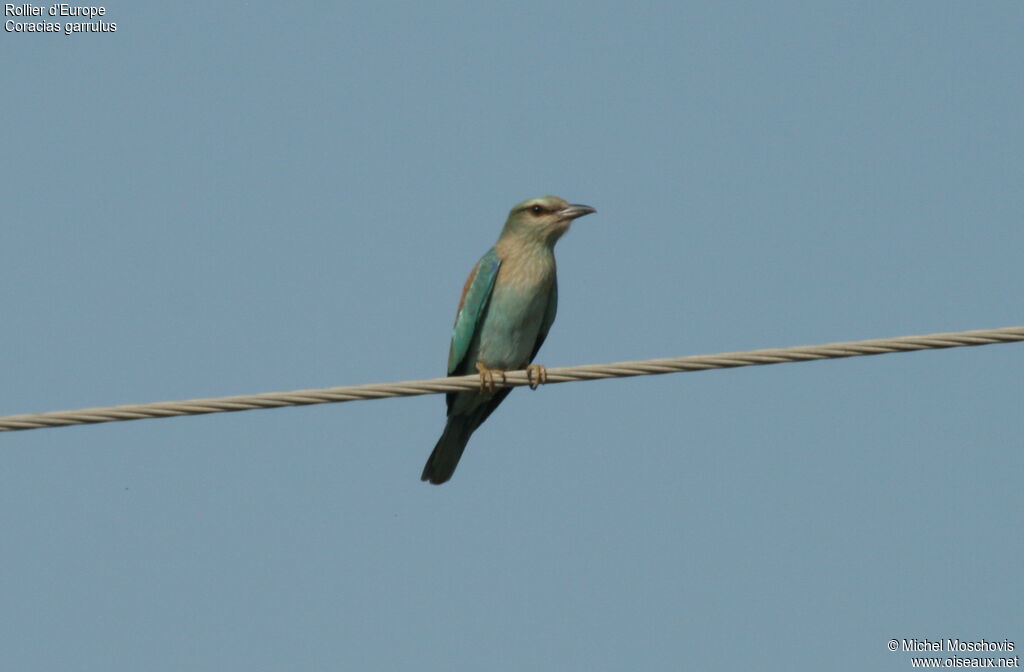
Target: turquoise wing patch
<point x="475" y="296"/>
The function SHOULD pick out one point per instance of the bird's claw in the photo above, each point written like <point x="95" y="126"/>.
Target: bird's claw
<point x="536" y="371"/>
<point x="487" y="377"/>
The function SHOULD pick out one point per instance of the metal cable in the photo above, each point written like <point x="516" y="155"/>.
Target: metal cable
<point x="564" y="374"/>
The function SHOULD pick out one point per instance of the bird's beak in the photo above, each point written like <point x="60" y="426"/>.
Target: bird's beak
<point x="574" y="211"/>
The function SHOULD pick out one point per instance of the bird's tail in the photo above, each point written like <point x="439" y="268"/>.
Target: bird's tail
<point x="442" y="462"/>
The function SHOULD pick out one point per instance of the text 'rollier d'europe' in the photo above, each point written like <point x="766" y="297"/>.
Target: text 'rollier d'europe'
<point x="62" y="10"/>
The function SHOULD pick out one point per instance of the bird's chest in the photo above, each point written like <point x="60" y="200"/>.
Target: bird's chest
<point x="514" y="315"/>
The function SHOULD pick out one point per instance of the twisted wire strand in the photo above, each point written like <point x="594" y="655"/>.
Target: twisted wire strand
<point x="564" y="374"/>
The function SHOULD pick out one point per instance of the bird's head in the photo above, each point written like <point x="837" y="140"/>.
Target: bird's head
<point x="543" y="219"/>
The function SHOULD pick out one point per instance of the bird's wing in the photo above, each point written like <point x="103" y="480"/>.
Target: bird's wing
<point x="549" y="319"/>
<point x="472" y="305"/>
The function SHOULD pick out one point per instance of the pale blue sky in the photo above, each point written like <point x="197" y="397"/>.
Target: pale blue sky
<point x="249" y="197"/>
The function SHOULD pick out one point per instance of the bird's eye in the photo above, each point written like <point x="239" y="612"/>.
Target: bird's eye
<point x="536" y="209"/>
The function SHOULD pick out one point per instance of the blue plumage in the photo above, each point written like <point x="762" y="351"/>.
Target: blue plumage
<point x="507" y="308"/>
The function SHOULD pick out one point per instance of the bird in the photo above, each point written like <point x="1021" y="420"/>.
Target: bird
<point x="507" y="307"/>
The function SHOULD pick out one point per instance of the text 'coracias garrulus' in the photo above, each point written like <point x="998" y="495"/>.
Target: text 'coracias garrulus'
<point x="506" y="310"/>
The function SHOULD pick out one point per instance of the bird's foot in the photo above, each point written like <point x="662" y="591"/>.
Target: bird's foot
<point x="536" y="375"/>
<point x="487" y="377"/>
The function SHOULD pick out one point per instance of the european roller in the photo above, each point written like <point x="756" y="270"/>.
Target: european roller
<point x="507" y="307"/>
